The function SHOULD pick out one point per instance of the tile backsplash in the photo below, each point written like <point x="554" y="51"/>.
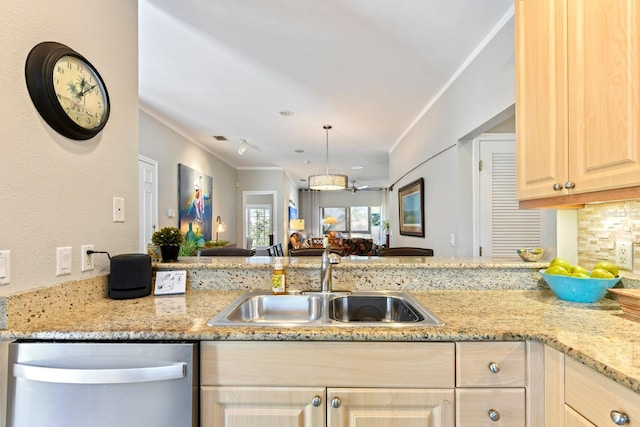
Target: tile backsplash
<point x="601" y="224"/>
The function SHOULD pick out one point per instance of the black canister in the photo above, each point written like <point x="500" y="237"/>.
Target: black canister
<point x="130" y="276"/>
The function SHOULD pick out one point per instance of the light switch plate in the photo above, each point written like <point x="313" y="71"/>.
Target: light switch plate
<point x="63" y="260"/>
<point x="5" y="267"/>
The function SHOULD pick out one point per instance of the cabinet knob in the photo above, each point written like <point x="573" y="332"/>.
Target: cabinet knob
<point x="557" y="187"/>
<point x="494" y="415"/>
<point x="316" y="401"/>
<point x="494" y="367"/>
<point x="569" y="185"/>
<point x="336" y="402"/>
<point x="619" y="418"/>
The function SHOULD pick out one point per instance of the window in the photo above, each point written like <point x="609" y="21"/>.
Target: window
<point x="355" y="219"/>
<point x="259" y="224"/>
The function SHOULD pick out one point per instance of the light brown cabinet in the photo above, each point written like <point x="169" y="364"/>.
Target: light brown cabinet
<point x="577" y="101"/>
<point x="578" y="396"/>
<point x="317" y="384"/>
<point x="490" y="383"/>
<point x="361" y="384"/>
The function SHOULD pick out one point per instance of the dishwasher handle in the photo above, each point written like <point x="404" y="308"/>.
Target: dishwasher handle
<point x="100" y="376"/>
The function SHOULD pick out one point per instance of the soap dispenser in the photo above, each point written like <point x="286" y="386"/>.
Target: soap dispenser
<point x="278" y="279"/>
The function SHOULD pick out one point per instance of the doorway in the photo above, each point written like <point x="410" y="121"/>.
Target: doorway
<point x="147" y="200"/>
<point x="259" y="223"/>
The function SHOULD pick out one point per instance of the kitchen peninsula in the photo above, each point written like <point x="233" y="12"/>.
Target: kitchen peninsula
<point x="478" y="300"/>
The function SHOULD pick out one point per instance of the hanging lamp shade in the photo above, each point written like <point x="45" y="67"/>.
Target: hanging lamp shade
<point x="328" y="181"/>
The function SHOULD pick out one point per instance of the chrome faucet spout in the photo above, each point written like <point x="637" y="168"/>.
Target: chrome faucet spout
<point x="328" y="260"/>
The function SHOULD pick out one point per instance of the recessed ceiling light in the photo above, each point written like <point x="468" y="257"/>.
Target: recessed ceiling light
<point x="286" y="113"/>
<point x="357" y="167"/>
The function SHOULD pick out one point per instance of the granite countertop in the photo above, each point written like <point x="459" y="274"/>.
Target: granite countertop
<point x="599" y="335"/>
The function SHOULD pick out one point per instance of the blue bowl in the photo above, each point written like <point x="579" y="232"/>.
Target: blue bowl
<point x="578" y="289"/>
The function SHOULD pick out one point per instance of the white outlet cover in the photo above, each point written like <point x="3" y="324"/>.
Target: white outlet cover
<point x="86" y="261"/>
<point x="5" y="267"/>
<point x="118" y="209"/>
<point x="624" y="254"/>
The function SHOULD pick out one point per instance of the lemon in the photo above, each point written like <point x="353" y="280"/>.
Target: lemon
<point x="600" y="273"/>
<point x="580" y="274"/>
<point x="609" y="266"/>
<point x="557" y="270"/>
<point x="561" y="262"/>
<point x="578" y="269"/>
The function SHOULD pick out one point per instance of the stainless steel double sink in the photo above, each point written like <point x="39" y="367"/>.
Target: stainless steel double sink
<point x="309" y="308"/>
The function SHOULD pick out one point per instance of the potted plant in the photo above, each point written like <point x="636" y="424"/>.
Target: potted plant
<point x="169" y="240"/>
<point x="386" y="226"/>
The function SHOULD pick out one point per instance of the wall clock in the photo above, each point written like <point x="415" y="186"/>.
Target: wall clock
<point x="67" y="90"/>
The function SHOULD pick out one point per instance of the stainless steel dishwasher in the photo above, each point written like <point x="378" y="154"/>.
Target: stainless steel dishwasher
<point x="75" y="384"/>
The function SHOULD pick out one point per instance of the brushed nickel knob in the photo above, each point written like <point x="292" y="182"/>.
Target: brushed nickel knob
<point x="557" y="187"/>
<point x="336" y="402"/>
<point x="494" y="367"/>
<point x="494" y="415"/>
<point x="316" y="401"/>
<point x="569" y="185"/>
<point x="619" y="418"/>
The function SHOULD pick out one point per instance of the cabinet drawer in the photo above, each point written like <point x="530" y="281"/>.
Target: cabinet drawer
<point x="594" y="396"/>
<point x="491" y="364"/>
<point x="473" y="407"/>
<point x="327" y="364"/>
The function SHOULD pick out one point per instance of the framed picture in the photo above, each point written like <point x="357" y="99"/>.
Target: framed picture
<point x="293" y="213"/>
<point x="411" y="203"/>
<point x="194" y="200"/>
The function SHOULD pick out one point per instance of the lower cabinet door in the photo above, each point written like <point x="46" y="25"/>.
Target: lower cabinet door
<point x="390" y="407"/>
<point x="499" y="407"/>
<point x="574" y="419"/>
<point x="262" y="407"/>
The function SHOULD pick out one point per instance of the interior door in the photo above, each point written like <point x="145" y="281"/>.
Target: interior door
<point x="148" y="200"/>
<point x="503" y="226"/>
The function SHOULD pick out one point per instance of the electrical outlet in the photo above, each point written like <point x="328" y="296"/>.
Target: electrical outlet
<point x="86" y="261"/>
<point x="624" y="254"/>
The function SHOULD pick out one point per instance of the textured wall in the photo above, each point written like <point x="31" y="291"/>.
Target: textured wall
<point x="600" y="225"/>
<point x="56" y="191"/>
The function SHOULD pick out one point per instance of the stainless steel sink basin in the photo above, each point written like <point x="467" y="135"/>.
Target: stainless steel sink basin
<point x="267" y="308"/>
<point x="375" y="308"/>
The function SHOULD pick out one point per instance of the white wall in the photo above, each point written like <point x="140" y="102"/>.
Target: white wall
<point x="55" y="191"/>
<point x="169" y="148"/>
<point x="472" y="103"/>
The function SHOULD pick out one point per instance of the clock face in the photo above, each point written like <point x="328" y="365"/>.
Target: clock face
<point x="79" y="91"/>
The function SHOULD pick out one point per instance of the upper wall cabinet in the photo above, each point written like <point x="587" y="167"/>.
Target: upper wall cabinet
<point x="577" y="101"/>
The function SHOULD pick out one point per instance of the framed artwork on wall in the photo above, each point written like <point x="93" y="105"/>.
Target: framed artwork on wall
<point x="293" y="213"/>
<point x="411" y="204"/>
<point x="194" y="201"/>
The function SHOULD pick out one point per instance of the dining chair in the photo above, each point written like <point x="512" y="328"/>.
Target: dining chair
<point x="405" y="251"/>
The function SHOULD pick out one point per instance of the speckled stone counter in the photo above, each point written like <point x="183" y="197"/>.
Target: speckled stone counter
<point x="599" y="335"/>
<point x="362" y="273"/>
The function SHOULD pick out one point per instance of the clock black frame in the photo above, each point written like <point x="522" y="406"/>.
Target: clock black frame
<point x="38" y="71"/>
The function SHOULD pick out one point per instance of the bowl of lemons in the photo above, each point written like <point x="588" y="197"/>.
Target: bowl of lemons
<point x="530" y="254"/>
<point x="577" y="284"/>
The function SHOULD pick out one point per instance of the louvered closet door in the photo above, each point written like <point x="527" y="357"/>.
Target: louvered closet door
<point x="503" y="227"/>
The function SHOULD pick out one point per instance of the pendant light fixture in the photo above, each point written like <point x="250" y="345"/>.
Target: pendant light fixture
<point x="328" y="181"/>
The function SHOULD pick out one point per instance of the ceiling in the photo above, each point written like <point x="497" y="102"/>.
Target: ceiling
<point x="369" y="68"/>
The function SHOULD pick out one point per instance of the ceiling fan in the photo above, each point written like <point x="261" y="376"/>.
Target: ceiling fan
<point x="353" y="189"/>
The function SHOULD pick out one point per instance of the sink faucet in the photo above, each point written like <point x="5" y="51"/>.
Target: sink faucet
<point x="328" y="259"/>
